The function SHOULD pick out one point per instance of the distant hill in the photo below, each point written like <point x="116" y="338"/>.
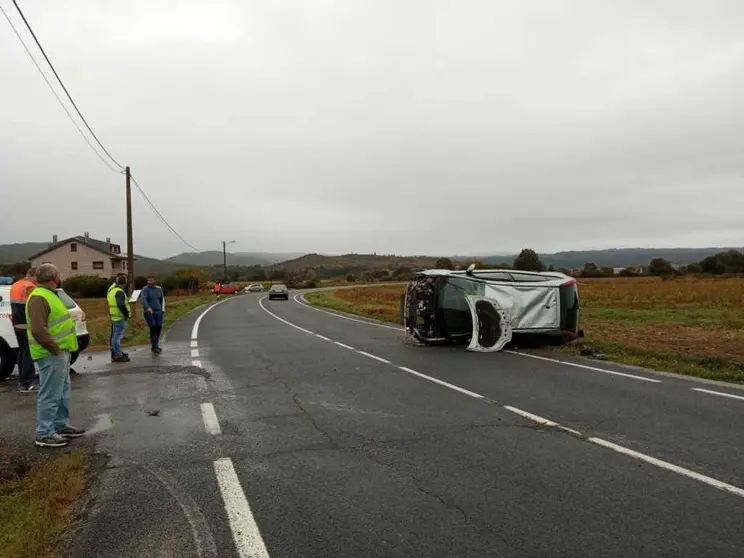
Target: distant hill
<point x="19" y="252"/>
<point x="619" y="257"/>
<point x="355" y="261"/>
<point x="214" y="257"/>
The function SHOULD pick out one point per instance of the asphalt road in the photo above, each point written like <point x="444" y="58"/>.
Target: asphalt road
<point x="286" y="431"/>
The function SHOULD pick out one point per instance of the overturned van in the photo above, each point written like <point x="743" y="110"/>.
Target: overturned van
<point x="484" y="308"/>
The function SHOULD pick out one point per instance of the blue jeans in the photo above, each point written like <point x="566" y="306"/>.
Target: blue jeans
<point x="117" y="334"/>
<point x="155" y="323"/>
<point x="53" y="401"/>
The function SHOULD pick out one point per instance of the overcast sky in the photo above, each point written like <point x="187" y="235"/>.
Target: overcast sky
<point x="403" y="126"/>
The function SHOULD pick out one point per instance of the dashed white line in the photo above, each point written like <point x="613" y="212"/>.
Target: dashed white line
<point x="201" y="383"/>
<point x="344" y="346"/>
<point x="194" y="353"/>
<point x="194" y="343"/>
<point x="720" y="393"/>
<point x="246" y="535"/>
<point x="442" y="383"/>
<point x="270" y="313"/>
<point x="196" y="363"/>
<point x="669" y="466"/>
<point x="209" y="416"/>
<point x="386" y="361"/>
<point x="323" y="337"/>
<point x="535" y="418"/>
<point x="586" y="367"/>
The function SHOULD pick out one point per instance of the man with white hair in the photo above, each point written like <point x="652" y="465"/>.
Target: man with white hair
<point x="51" y="339"/>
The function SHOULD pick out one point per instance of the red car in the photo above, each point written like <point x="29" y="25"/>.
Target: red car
<point x="229" y="288"/>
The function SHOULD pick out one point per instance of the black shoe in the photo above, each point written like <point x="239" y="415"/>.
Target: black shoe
<point x="31" y="389"/>
<point x="122" y="358"/>
<point x="157" y="350"/>
<point x="53" y="441"/>
<point x="70" y="432"/>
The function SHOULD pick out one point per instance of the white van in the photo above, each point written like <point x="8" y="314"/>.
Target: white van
<point x="8" y="341"/>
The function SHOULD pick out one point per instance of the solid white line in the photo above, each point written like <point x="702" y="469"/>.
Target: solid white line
<point x="669" y="466"/>
<point x="576" y="365"/>
<point x="194" y="343"/>
<point x="195" y="329"/>
<point x="323" y="337"/>
<point x="306" y="304"/>
<point x="194" y="353"/>
<point x="442" y="383"/>
<point x="525" y="414"/>
<point x="374" y="357"/>
<point x="247" y="537"/>
<point x="722" y="394"/>
<point x="344" y="346"/>
<point x="196" y="363"/>
<point x="260" y="303"/>
<point x="209" y="416"/>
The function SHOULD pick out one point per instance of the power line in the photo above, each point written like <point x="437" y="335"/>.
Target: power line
<point x="80" y="114"/>
<point x="160" y="216"/>
<point x="67" y="112"/>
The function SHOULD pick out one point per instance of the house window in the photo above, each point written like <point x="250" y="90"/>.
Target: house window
<point x="97" y="265"/>
<point x="73" y="266"/>
<point x="73" y="247"/>
<point x="124" y="264"/>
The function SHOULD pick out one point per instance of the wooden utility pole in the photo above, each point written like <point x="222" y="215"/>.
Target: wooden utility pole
<point x="130" y="240"/>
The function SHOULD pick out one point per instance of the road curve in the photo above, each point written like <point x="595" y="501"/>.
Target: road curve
<point x="340" y="438"/>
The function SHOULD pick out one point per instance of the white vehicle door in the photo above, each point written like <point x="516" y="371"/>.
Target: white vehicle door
<point x="534" y="307"/>
<point x="492" y="329"/>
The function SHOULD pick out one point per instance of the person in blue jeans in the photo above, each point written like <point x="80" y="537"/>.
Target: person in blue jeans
<point x="119" y="311"/>
<point x="153" y="305"/>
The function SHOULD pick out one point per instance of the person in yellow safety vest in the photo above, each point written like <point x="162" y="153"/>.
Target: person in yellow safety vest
<point x="51" y="339"/>
<point x="119" y="312"/>
<point x="19" y="292"/>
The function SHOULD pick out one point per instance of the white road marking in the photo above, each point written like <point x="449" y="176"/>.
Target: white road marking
<point x="721" y="393"/>
<point x="194" y="353"/>
<point x="374" y="357"/>
<point x="194" y="343"/>
<point x="201" y="383"/>
<point x="669" y="466"/>
<point x="270" y="313"/>
<point x="323" y="337"/>
<point x="209" y="416"/>
<point x="586" y="367"/>
<point x="525" y="414"/>
<point x="344" y="346"/>
<point x="442" y="383"/>
<point x="195" y="329"/>
<point x="308" y="305"/>
<point x="246" y="535"/>
<point x="196" y="363"/>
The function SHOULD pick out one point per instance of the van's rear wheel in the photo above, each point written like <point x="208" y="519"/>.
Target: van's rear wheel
<point x="7" y="360"/>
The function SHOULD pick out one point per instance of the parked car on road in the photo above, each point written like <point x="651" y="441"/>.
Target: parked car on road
<point x="255" y="288"/>
<point x="9" y="343"/>
<point x="279" y="291"/>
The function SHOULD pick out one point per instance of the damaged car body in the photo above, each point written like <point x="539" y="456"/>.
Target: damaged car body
<point x="485" y="308"/>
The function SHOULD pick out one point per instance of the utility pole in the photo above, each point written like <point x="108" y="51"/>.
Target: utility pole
<point x="224" y="259"/>
<point x="130" y="240"/>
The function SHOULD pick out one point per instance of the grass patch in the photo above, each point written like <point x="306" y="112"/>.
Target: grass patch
<point x="37" y="509"/>
<point x="99" y="325"/>
<point x="690" y="326"/>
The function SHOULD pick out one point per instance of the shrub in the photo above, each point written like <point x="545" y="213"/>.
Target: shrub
<point x="350" y="278"/>
<point x="87" y="286"/>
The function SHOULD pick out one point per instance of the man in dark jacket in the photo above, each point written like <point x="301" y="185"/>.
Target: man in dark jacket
<point x="19" y="292"/>
<point x="153" y="305"/>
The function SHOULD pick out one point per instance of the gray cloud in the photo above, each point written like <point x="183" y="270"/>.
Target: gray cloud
<point x="387" y="126"/>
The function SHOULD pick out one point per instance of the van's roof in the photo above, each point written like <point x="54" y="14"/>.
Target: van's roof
<point x="480" y="274"/>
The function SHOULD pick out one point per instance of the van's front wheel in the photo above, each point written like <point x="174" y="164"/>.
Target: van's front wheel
<point x="7" y="360"/>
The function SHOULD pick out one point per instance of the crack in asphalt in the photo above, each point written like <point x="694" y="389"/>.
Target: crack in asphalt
<point x="420" y="487"/>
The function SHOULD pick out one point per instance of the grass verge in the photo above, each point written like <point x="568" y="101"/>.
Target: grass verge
<point x="693" y="327"/>
<point x="99" y="326"/>
<point x="37" y="509"/>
